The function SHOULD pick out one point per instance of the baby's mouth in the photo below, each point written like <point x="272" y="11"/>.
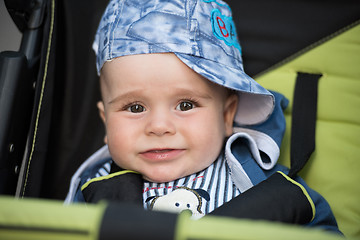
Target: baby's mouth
<point x="161" y="154"/>
<point x="160" y="150"/>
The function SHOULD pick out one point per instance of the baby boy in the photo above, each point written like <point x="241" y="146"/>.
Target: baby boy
<point x="173" y="87"/>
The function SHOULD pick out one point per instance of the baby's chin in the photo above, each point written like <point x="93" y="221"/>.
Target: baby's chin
<point x="159" y="179"/>
<point x="166" y="175"/>
<point x="162" y="178"/>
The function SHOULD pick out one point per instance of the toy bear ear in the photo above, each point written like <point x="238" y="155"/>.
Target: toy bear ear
<point x="204" y="194"/>
<point x="149" y="199"/>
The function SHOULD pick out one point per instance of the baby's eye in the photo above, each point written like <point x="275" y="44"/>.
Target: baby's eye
<point x="185" y="106"/>
<point x="136" y="108"/>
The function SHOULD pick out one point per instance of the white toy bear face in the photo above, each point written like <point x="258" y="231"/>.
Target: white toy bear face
<point x="181" y="199"/>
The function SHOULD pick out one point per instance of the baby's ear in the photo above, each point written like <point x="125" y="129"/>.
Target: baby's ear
<point x="229" y="112"/>
<point x="100" y="106"/>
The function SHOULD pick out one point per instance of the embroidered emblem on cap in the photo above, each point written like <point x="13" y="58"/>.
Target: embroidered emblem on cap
<point x="224" y="28"/>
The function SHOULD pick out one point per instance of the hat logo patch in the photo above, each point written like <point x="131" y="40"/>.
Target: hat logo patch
<point x="224" y="28"/>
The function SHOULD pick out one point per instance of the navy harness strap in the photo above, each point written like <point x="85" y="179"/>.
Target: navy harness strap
<point x="303" y="120"/>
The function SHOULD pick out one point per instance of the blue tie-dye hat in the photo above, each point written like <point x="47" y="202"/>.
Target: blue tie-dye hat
<point x="201" y="33"/>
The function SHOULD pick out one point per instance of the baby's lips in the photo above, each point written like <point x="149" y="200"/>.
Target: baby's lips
<point x="161" y="154"/>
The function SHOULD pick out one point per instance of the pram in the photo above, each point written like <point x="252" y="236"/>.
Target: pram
<point x="61" y="129"/>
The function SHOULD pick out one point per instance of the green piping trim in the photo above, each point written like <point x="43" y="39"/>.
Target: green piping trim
<point x="303" y="190"/>
<point x="306" y="49"/>
<point x="106" y="177"/>
<point x="41" y="95"/>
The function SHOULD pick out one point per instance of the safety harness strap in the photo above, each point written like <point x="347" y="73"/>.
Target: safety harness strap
<point x="303" y="120"/>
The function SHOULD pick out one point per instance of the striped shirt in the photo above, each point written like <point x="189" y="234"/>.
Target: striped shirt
<point x="215" y="180"/>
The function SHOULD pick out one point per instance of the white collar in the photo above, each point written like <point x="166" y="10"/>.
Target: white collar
<point x="257" y="141"/>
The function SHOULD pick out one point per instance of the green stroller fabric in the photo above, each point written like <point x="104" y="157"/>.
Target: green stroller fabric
<point x="34" y="219"/>
<point x="333" y="168"/>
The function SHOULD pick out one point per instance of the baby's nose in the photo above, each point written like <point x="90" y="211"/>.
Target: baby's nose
<point x="160" y="123"/>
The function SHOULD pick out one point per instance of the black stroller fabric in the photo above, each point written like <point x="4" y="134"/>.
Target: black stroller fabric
<point x="64" y="127"/>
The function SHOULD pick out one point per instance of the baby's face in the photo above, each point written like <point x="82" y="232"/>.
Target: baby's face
<point x="162" y="119"/>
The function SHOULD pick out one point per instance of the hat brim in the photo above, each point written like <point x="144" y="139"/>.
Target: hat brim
<point x="255" y="102"/>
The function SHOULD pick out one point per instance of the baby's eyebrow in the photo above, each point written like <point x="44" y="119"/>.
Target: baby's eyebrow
<point x="187" y="92"/>
<point x="177" y="92"/>
<point x="127" y="96"/>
